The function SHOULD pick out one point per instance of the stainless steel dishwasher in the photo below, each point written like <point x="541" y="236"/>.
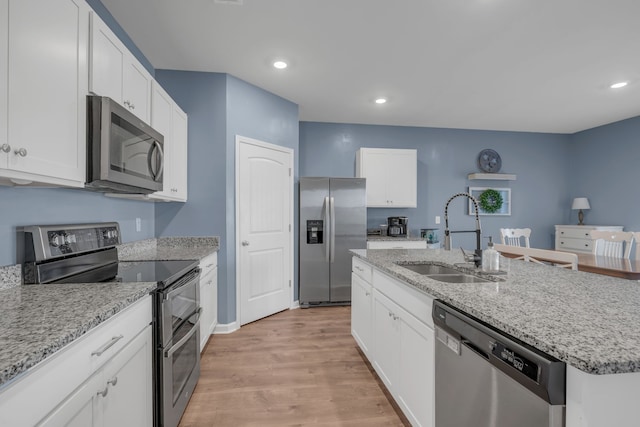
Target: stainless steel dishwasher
<point x="485" y="378"/>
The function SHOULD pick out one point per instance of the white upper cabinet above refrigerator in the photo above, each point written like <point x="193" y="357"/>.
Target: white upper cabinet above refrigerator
<point x="116" y="73"/>
<point x="392" y="176"/>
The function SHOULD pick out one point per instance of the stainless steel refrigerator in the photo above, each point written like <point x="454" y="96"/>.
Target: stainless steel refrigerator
<point x="333" y="219"/>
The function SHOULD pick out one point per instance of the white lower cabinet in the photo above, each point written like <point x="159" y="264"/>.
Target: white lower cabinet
<point x="361" y="309"/>
<point x="401" y="343"/>
<point x="120" y="394"/>
<point x="208" y="297"/>
<point x="102" y="379"/>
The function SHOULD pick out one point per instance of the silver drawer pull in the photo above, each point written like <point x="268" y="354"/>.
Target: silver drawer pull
<point x="113" y="381"/>
<point x="107" y="346"/>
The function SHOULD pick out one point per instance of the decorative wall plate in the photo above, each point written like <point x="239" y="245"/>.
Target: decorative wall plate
<point x="489" y="161"/>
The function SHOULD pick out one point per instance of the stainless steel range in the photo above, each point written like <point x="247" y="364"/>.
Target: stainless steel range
<point x="87" y="253"/>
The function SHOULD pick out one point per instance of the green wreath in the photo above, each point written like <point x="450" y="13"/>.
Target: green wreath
<point x="490" y="201"/>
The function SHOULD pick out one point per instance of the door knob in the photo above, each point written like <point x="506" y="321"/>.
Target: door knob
<point x="245" y="243"/>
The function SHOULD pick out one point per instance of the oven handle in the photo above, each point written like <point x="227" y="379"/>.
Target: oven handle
<point x="194" y="329"/>
<point x="190" y="277"/>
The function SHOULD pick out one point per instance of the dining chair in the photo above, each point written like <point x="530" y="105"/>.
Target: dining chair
<point x="512" y="236"/>
<point x="616" y="244"/>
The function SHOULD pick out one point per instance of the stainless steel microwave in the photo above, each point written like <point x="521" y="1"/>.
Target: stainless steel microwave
<point x="124" y="154"/>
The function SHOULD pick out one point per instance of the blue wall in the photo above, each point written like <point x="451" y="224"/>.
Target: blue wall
<point x="21" y="206"/>
<point x="445" y="158"/>
<point x="219" y="108"/>
<point x="604" y="168"/>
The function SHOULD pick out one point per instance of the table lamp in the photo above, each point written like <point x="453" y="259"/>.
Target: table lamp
<point x="580" y="203"/>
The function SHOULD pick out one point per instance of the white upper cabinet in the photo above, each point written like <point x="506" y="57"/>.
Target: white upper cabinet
<point x="168" y="119"/>
<point x="43" y="72"/>
<point x="391" y="174"/>
<point x="116" y="73"/>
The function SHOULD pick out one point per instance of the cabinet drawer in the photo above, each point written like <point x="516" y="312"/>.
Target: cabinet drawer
<point x="583" y="245"/>
<point x="208" y="264"/>
<point x="415" y="302"/>
<point x="574" y="233"/>
<point x="362" y="269"/>
<point x="49" y="382"/>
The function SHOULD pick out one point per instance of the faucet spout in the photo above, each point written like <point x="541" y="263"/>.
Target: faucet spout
<point x="478" y="230"/>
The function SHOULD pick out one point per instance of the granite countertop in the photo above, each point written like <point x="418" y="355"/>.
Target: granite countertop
<point x="169" y="248"/>
<point x="38" y="320"/>
<point x="378" y="238"/>
<point x="587" y="320"/>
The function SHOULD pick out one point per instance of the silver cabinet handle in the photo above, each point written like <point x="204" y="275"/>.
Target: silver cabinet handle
<point x="22" y="152"/>
<point x="107" y="346"/>
<point x="113" y="381"/>
<point x="129" y="104"/>
<point x="5" y="148"/>
<point x="245" y="243"/>
<point x="104" y="392"/>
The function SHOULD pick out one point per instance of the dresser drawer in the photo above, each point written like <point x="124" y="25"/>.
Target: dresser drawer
<point x="362" y="269"/>
<point x="570" y="244"/>
<point x="574" y="233"/>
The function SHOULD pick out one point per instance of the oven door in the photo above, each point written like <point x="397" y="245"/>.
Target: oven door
<point x="178" y="355"/>
<point x="181" y="370"/>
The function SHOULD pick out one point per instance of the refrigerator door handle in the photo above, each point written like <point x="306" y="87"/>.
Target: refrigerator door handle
<point x="327" y="220"/>
<point x="333" y="230"/>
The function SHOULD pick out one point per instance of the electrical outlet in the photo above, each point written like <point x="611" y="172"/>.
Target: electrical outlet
<point x="138" y="224"/>
<point x="437" y="219"/>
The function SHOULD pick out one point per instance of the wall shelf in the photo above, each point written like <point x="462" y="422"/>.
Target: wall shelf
<point x="493" y="176"/>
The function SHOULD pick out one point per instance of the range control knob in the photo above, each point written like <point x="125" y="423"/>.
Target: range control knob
<point x="110" y="234"/>
<point x="56" y="240"/>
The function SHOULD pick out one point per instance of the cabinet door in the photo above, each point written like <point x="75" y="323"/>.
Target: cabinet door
<point x="402" y="178"/>
<point x="386" y="340"/>
<point x="206" y="315"/>
<point x="179" y="154"/>
<point x="129" y="401"/>
<point x="5" y="148"/>
<point x="136" y="91"/>
<point x="416" y="377"/>
<point x="47" y="81"/>
<point x="107" y="59"/>
<point x="361" y="313"/>
<point x="80" y="409"/>
<point x="374" y="168"/>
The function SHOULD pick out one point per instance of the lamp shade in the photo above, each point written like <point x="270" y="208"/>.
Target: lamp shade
<point x="580" y="203"/>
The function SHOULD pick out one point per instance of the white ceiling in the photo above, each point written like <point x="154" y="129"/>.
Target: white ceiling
<point x="524" y="65"/>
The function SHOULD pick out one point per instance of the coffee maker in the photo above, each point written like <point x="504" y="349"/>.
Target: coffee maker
<point x="397" y="226"/>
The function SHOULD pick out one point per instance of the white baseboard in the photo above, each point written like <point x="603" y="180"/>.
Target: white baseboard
<point x="226" y="328"/>
<point x="294" y="305"/>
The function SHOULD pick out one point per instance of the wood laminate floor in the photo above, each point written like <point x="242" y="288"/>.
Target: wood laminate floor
<point x="295" y="368"/>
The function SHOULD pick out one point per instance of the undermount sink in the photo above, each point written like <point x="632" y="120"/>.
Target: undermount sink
<point x="442" y="273"/>
<point x="457" y="278"/>
<point x="430" y="269"/>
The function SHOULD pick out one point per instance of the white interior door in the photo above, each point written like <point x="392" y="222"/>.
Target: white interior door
<point x="264" y="218"/>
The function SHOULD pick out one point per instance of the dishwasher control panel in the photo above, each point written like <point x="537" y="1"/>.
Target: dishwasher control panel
<point x="516" y="361"/>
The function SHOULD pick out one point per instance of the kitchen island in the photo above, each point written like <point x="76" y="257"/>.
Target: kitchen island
<point x="588" y="321"/>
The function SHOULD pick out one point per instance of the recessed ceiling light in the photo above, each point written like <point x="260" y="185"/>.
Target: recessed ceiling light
<point x="280" y="65"/>
<point x="381" y="100"/>
<point x="618" y="85"/>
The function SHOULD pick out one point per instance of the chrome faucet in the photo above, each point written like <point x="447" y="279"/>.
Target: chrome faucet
<point x="477" y="258"/>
